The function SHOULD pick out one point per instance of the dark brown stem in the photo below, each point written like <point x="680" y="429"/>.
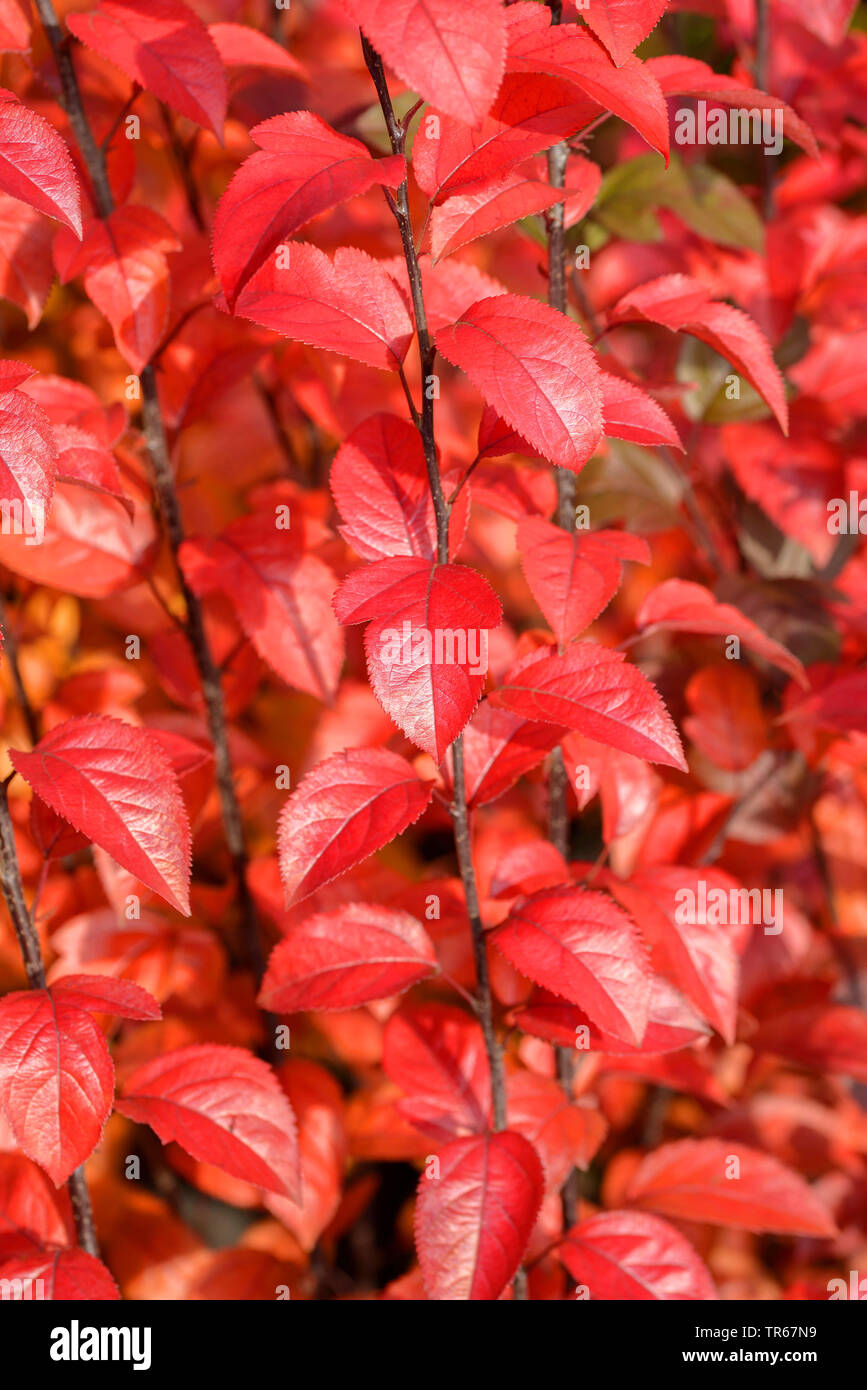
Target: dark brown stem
<point x="212" y="691"/>
<point x="31" y="955"/>
<point x="13" y="892"/>
<point x="558" y="781"/>
<point x="182" y="164"/>
<point x="92" y="155"/>
<point x="463" y="846"/>
<point x="763" y="56"/>
<point x="10" y="652"/>
<point x="427" y="351"/>
<point x="82" y="1212"/>
<point x="164" y="485"/>
<point x="425" y="424"/>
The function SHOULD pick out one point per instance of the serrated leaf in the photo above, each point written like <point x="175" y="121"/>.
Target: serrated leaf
<point x="592" y="690"/>
<point x="534" y="366"/>
<point x="338" y="960"/>
<point x="115" y="784"/>
<point x="426" y="644"/>
<point x="451" y="55"/>
<point x="223" y="1106"/>
<point x="349" y="305"/>
<point x="436" y="1054"/>
<point x="473" y="1221"/>
<point x="166" y="49"/>
<point x="35" y="164"/>
<point x="302" y="168"/>
<point x="631" y="1256"/>
<point x="727" y="1184"/>
<point x="350" y="805"/>
<point x="574" y="575"/>
<point x="580" y="945"/>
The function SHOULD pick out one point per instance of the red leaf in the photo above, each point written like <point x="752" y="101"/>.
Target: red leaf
<point x="681" y="303"/>
<point x="26" y="263"/>
<point x="281" y="595"/>
<point x="792" y="480"/>
<point x="28" y="453"/>
<point x="827" y="1038"/>
<point x="727" y="1184"/>
<point x="727" y="723"/>
<point x="35" y="165"/>
<point x="32" y="1212"/>
<point x="15" y="26"/>
<point x="84" y="459"/>
<point x="567" y="51"/>
<point x="841" y="705"/>
<point x="223" y="1106"/>
<point x="699" y="956"/>
<point x="350" y="305"/>
<point x="436" y="1054"/>
<point x="450" y="55"/>
<point x="350" y="805"/>
<point x="239" y="46"/>
<point x="627" y="787"/>
<point x="427" y="646"/>
<point x="496" y="438"/>
<point x="681" y="606"/>
<point x="533" y="365"/>
<point x="317" y="1101"/>
<point x="302" y="168"/>
<point x="64" y="1276"/>
<point x="380" y="484"/>
<point x="56" y="1079"/>
<point x="338" y="960"/>
<point x="627" y="1255"/>
<point x="574" y="575"/>
<point x="623" y="24"/>
<point x="592" y="690"/>
<point x="166" y="49"/>
<point x="580" y="945"/>
<point x="102" y="994"/>
<point x="564" y="1135"/>
<point x="473" y="214"/>
<point x="499" y="747"/>
<point x="629" y="413"/>
<point x="679" y="75"/>
<point x="531" y="113"/>
<point x="126" y="275"/>
<point x="473" y="1222"/>
<point x="671" y="1023"/>
<point x="164" y="957"/>
<point x="115" y="784"/>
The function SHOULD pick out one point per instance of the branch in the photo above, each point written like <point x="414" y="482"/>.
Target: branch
<point x="427" y="352"/>
<point x="763" y="55"/>
<point x="31" y="955"/>
<point x="10" y="651"/>
<point x="425" y="424"/>
<point x="164" y="485"/>
<point x="558" y="780"/>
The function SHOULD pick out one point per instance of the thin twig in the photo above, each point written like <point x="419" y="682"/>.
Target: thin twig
<point x="763" y="55"/>
<point x="31" y="955"/>
<point x="10" y="652"/>
<point x="558" y="779"/>
<point x="425" y="424"/>
<point x="164" y="485"/>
